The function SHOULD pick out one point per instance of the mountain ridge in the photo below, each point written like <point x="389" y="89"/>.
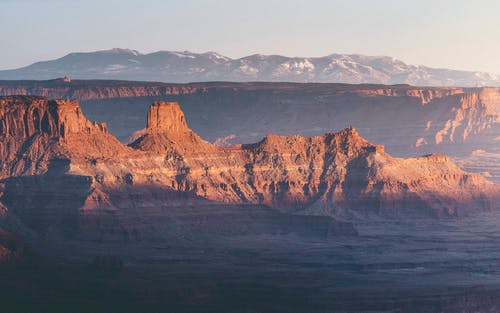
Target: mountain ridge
<point x="185" y="66"/>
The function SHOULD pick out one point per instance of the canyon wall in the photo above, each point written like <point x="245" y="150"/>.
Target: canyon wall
<point x="460" y="122"/>
<point x="332" y="174"/>
<point x="34" y="130"/>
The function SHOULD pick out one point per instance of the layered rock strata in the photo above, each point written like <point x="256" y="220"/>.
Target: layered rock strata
<point x="340" y="171"/>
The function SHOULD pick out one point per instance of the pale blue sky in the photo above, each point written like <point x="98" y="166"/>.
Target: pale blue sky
<point x="457" y="34"/>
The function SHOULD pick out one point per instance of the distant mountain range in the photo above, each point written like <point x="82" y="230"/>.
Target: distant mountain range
<point x="180" y="67"/>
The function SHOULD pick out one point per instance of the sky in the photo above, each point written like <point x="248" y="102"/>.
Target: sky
<point x="457" y="34"/>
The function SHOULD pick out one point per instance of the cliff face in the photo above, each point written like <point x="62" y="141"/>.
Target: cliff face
<point x="94" y="90"/>
<point x="408" y="120"/>
<point x="35" y="130"/>
<point x="471" y="118"/>
<point x="58" y="89"/>
<point x="451" y="120"/>
<point x="167" y="131"/>
<point x="329" y="174"/>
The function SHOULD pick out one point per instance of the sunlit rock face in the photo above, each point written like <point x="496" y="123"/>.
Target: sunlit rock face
<point x="167" y="131"/>
<point x="468" y="119"/>
<point x="35" y="130"/>
<point x="408" y="120"/>
<point x="330" y="174"/>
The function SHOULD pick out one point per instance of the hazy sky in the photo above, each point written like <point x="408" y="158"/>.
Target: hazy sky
<point x="459" y="34"/>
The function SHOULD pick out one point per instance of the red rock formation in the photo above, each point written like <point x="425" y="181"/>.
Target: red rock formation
<point x="166" y="117"/>
<point x="326" y="174"/>
<point x="92" y="90"/>
<point x="58" y="89"/>
<point x="167" y="130"/>
<point x="472" y="118"/>
<point x="35" y="130"/>
<point x="446" y="115"/>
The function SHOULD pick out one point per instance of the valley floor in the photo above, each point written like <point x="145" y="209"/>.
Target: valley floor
<point x="392" y="266"/>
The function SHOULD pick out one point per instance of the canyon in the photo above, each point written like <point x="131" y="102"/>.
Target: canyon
<point x="193" y="222"/>
<point x="326" y="157"/>
<point x="462" y="123"/>
<point x="341" y="171"/>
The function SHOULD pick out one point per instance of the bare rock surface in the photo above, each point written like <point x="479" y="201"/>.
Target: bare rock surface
<point x="337" y="171"/>
<point x="217" y="219"/>
<point x="408" y="120"/>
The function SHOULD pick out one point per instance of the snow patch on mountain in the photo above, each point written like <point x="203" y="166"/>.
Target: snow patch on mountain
<point x="186" y="66"/>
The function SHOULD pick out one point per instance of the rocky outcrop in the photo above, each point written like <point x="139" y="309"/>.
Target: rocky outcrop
<point x="167" y="131"/>
<point x="91" y="90"/>
<point x="88" y="185"/>
<point x="330" y="174"/>
<point x="407" y="120"/>
<point x="35" y="130"/>
<point x="451" y="120"/>
<point x="424" y="95"/>
<point x="341" y="171"/>
<point x="166" y="117"/>
<point x="472" y="118"/>
<point x="426" y="116"/>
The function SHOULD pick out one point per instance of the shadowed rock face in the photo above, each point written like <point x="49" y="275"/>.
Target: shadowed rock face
<point x="329" y="174"/>
<point x="12" y="249"/>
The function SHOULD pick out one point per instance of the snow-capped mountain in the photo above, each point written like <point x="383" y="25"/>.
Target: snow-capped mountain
<point x="174" y="66"/>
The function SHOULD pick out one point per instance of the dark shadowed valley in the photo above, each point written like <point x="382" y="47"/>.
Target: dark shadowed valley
<point x="202" y="210"/>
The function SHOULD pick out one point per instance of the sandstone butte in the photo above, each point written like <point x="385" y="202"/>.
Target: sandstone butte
<point x="333" y="174"/>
